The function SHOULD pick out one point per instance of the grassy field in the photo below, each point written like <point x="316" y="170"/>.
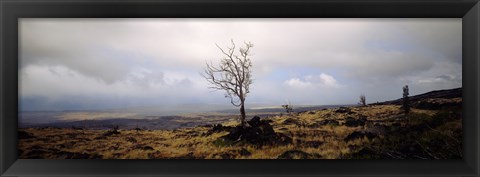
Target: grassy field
<point x="370" y="132"/>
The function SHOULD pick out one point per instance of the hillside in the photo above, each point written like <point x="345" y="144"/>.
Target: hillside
<point x="432" y="130"/>
<point x="437" y="94"/>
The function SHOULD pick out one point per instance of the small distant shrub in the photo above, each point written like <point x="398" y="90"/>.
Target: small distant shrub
<point x="114" y="131"/>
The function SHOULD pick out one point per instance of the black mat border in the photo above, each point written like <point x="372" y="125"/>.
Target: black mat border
<point x="11" y="10"/>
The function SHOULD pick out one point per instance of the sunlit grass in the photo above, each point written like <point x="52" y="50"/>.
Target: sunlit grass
<point x="327" y="141"/>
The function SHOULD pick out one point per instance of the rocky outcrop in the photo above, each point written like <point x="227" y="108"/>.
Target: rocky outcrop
<point x="258" y="133"/>
<point x="352" y="122"/>
<point x="218" y="128"/>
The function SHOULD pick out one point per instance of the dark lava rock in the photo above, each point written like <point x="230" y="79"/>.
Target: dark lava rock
<point x="296" y="154"/>
<point x="254" y="122"/>
<point x="187" y="156"/>
<point x="356" y="135"/>
<point x="446" y="94"/>
<point x="435" y="105"/>
<point x="366" y="154"/>
<point x="343" y="110"/>
<point x="244" y="152"/>
<point x="25" y="135"/>
<point x="352" y="122"/>
<point x="259" y="133"/>
<point x="146" y="148"/>
<point x="218" y="128"/>
<point x="111" y="132"/>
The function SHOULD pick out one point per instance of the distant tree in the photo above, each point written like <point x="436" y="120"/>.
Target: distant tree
<point x="362" y="100"/>
<point x="288" y="108"/>
<point x="405" y="100"/>
<point x="233" y="74"/>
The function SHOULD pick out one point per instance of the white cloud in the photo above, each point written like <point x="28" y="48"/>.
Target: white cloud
<point x="296" y="82"/>
<point x="159" y="60"/>
<point x="442" y="78"/>
<point x="322" y="80"/>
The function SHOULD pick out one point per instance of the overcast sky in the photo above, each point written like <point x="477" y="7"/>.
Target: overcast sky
<point x="118" y="63"/>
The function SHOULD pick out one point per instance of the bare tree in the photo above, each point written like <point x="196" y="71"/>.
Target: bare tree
<point x="233" y="74"/>
<point x="288" y="108"/>
<point x="362" y="100"/>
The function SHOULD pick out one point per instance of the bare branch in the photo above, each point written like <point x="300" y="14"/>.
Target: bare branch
<point x="233" y="74"/>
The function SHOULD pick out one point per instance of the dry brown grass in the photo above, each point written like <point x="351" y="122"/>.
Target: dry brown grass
<point x="52" y="143"/>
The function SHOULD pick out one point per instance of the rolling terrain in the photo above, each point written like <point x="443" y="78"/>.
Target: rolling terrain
<point x="134" y="118"/>
<point x="432" y="130"/>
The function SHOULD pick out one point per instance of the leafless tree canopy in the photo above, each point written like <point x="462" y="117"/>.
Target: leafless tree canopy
<point x="362" y="100"/>
<point x="233" y="74"/>
<point x="288" y="108"/>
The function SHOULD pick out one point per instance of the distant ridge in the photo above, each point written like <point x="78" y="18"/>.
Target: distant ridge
<point x="448" y="93"/>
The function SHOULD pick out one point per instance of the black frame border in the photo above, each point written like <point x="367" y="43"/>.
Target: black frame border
<point x="11" y="10"/>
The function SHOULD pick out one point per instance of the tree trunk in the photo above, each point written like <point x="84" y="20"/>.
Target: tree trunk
<point x="242" y="112"/>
